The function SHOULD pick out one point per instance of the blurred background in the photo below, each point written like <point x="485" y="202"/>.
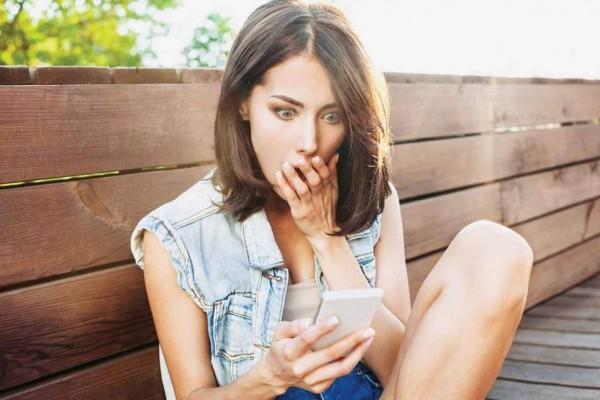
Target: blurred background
<point x="515" y="38"/>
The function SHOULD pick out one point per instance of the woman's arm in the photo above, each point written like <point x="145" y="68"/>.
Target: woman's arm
<point x="182" y="331"/>
<point x="342" y="271"/>
<point x="181" y="327"/>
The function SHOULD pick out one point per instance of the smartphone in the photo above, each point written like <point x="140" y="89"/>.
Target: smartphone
<point x="354" y="309"/>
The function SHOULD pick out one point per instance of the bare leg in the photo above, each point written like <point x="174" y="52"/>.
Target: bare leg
<point x="464" y="317"/>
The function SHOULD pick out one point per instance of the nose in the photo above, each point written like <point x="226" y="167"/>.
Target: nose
<point x="306" y="143"/>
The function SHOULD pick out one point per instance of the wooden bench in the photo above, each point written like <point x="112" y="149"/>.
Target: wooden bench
<point x="86" y="152"/>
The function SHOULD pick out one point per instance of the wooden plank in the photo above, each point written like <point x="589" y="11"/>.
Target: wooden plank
<point x="132" y="376"/>
<point x="562" y="339"/>
<point x="530" y="196"/>
<point x="122" y="75"/>
<point x="572" y="311"/>
<point x="573" y="266"/>
<point x="71" y="75"/>
<point x="533" y="321"/>
<point x="430" y="110"/>
<point x="431" y="224"/>
<point x="547" y="235"/>
<point x="560" y="230"/>
<point x="581" y="291"/>
<point x="81" y="129"/>
<point x="551" y="374"/>
<point x="85" y="223"/>
<point x="565" y="301"/>
<point x="63" y="324"/>
<point x="505" y="389"/>
<point x="433" y="166"/>
<point x="554" y="355"/>
<point x="593" y="282"/>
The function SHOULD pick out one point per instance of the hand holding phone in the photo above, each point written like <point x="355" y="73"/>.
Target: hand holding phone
<point x="354" y="308"/>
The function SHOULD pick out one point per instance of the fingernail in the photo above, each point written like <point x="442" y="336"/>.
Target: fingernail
<point x="316" y="159"/>
<point x="337" y="157"/>
<point x="368" y="341"/>
<point x="288" y="167"/>
<point x="332" y="321"/>
<point x="302" y="162"/>
<point x="278" y="174"/>
<point x="369" y="333"/>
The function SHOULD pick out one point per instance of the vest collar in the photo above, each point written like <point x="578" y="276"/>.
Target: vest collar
<point x="259" y="241"/>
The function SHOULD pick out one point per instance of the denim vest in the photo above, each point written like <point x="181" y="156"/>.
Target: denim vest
<point x="234" y="271"/>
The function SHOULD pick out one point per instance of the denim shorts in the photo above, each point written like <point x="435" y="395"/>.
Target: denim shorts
<point x="360" y="384"/>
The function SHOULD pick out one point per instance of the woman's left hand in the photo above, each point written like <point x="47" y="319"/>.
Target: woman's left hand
<point x="312" y="203"/>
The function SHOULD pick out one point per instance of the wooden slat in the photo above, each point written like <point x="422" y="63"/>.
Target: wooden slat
<point x="80" y="129"/>
<point x="57" y="228"/>
<point x="581" y="291"/>
<point x="512" y="390"/>
<point x="432" y="166"/>
<point x="428" y="110"/>
<point x="554" y="355"/>
<point x="430" y="224"/>
<point x="572" y="266"/>
<point x="572" y="311"/>
<point x="552" y="374"/>
<point x="48" y="328"/>
<point x="132" y="376"/>
<point x="530" y="320"/>
<point x="559" y="339"/>
<point x="565" y="301"/>
<point x="529" y="196"/>
<point x="562" y="229"/>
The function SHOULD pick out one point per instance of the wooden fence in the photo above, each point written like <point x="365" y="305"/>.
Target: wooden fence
<point x="86" y="152"/>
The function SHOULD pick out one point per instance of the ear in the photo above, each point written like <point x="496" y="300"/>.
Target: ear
<point x="244" y="112"/>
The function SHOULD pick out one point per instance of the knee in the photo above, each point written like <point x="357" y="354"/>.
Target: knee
<point x="497" y="262"/>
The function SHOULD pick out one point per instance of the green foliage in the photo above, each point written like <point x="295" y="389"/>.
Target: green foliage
<point x="78" y="32"/>
<point x="209" y="47"/>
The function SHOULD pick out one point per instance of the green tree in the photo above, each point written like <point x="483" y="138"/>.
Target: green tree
<point x="78" y="32"/>
<point x="211" y="43"/>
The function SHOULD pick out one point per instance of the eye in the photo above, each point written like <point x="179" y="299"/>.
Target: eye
<point x="332" y="117"/>
<point x="285" y="113"/>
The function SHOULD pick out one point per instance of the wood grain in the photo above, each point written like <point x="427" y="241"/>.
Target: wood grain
<point x="57" y="228"/>
<point x="66" y="323"/>
<point x="430" y="110"/>
<point x="131" y="376"/>
<point x="433" y="166"/>
<point x="533" y="195"/>
<point x="82" y="129"/>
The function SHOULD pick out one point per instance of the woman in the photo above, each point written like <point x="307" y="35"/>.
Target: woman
<point x="300" y="203"/>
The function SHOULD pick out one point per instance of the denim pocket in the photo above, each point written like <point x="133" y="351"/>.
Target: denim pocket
<point x="232" y="322"/>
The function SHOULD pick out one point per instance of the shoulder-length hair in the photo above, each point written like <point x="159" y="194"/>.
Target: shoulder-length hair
<point x="273" y="33"/>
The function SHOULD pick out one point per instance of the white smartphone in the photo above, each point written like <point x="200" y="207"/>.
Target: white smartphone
<point x="354" y="309"/>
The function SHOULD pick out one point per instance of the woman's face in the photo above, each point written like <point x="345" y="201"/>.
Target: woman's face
<point x="293" y="115"/>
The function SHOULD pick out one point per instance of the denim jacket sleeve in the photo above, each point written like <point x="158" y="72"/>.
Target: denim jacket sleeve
<point x="170" y="241"/>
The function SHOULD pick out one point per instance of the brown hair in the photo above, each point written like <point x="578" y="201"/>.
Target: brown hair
<point x="273" y="33"/>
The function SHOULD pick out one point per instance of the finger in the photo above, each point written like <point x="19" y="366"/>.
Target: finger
<point x="341" y="367"/>
<point x="297" y="184"/>
<point x="333" y="352"/>
<point x="332" y="166"/>
<point x="311" y="175"/>
<point x="304" y="341"/>
<point x="291" y="329"/>
<point x="322" y="170"/>
<point x="288" y="191"/>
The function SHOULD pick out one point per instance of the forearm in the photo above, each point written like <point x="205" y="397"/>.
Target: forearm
<point x="250" y="386"/>
<point x="342" y="271"/>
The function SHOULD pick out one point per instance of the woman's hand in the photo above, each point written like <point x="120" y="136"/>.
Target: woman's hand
<point x="291" y="362"/>
<point x="312" y="203"/>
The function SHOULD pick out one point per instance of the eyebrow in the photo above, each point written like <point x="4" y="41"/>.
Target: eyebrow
<point x="299" y="104"/>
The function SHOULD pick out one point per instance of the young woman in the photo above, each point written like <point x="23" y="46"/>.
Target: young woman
<point x="300" y="203"/>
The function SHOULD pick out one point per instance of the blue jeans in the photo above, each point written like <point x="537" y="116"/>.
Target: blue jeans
<point x="360" y="384"/>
